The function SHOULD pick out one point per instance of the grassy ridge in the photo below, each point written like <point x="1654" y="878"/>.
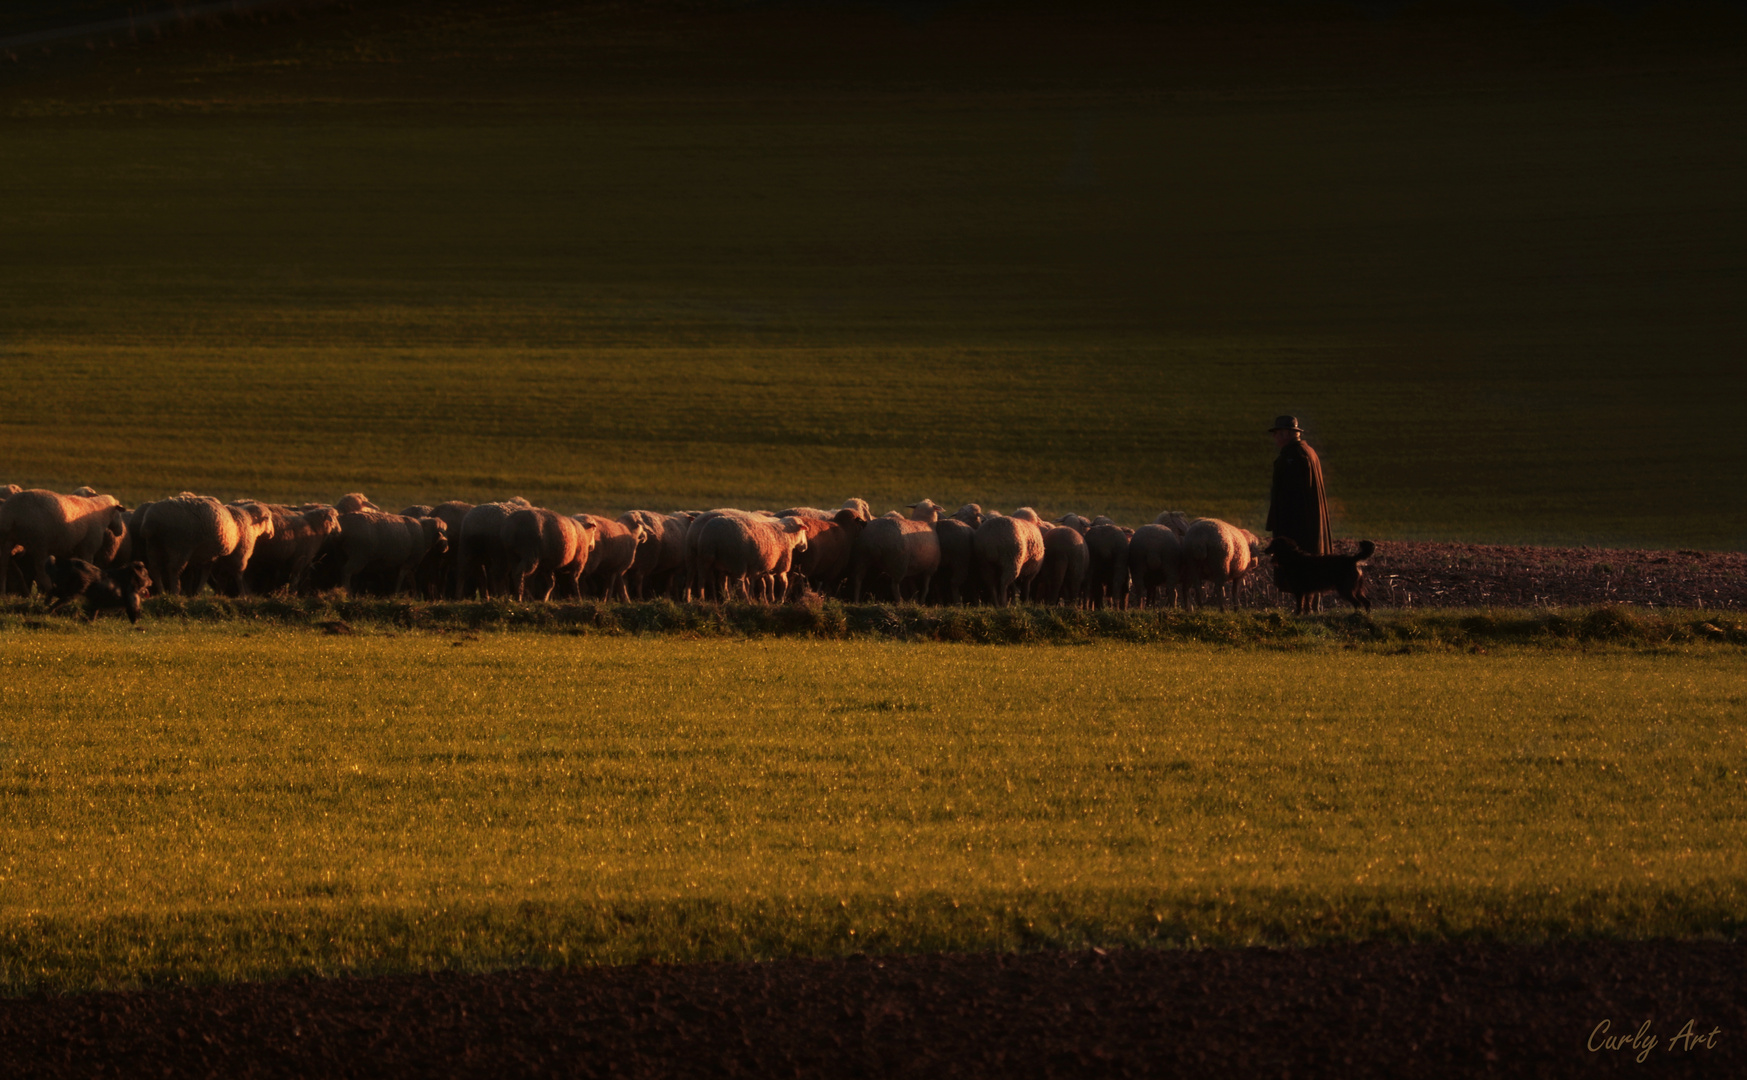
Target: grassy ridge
<point x="202" y="803"/>
<point x="768" y="258"/>
<point x="1018" y="625"/>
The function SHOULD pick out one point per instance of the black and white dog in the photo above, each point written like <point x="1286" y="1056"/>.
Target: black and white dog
<point x="1305" y="576"/>
<point x="121" y="587"/>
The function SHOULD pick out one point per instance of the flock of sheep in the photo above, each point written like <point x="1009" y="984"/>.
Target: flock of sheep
<point x="515" y="549"/>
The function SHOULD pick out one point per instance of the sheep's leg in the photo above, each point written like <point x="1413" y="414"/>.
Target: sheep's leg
<point x="348" y="572"/>
<point x="39" y="573"/>
<point x="163" y="582"/>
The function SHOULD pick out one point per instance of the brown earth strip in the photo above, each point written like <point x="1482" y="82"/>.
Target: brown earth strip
<point x="1372" y="1010"/>
<point x="1410" y="574"/>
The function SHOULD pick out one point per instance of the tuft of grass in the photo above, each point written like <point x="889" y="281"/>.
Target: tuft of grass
<point x="222" y="800"/>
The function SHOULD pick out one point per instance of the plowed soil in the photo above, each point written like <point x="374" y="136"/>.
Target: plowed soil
<point x="1451" y="1010"/>
<point x="1409" y="574"/>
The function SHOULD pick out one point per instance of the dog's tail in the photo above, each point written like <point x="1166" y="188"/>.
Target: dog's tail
<point x="1366" y="549"/>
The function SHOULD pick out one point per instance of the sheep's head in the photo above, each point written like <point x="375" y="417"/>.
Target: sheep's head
<point x="353" y="501"/>
<point x="436" y="534"/>
<point x="253" y="515"/>
<point x="849" y="521"/>
<point x="323" y="520"/>
<point x="927" y="510"/>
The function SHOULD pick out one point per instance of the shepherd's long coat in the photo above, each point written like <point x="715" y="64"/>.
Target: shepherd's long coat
<point x="1297" y="505"/>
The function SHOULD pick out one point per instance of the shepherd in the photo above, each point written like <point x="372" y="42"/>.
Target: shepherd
<point x="1297" y="504"/>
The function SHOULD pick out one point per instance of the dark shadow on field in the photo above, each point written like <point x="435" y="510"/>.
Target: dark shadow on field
<point x="1360" y="1011"/>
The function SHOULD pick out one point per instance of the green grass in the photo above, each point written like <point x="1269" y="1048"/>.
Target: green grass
<point x="212" y="802"/>
<point x="782" y="256"/>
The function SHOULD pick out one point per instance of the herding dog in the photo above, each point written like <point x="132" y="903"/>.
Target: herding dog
<point x="117" y="588"/>
<point x="1305" y="576"/>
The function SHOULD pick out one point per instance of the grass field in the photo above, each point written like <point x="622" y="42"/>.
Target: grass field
<point x="203" y="802"/>
<point x="783" y="255"/>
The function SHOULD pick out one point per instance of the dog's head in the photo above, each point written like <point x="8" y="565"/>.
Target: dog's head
<point x="132" y="577"/>
<point x="1282" y="545"/>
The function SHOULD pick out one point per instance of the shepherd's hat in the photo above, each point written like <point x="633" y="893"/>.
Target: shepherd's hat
<point x="1286" y="423"/>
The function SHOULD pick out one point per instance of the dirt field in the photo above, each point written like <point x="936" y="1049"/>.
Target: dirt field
<point x="1446" y="1010"/>
<point x="1409" y="574"/>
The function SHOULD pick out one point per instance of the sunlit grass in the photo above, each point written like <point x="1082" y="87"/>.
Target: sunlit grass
<point x="210" y="802"/>
<point x="669" y="262"/>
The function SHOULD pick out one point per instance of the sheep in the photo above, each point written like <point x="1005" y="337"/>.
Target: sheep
<point x="198" y="534"/>
<point x="926" y="510"/>
<point x="698" y="581"/>
<point x="1063" y="574"/>
<point x="1175" y="520"/>
<point x="659" y="561"/>
<point x="957" y="560"/>
<point x="902" y="550"/>
<point x="10" y="573"/>
<point x="435" y="576"/>
<point x="1107" y="564"/>
<point x="616" y="545"/>
<point x="970" y="513"/>
<point x="1075" y="522"/>
<point x="546" y="546"/>
<point x="389" y="545"/>
<point x="1009" y="553"/>
<point x="482" y="565"/>
<point x="38" y="525"/>
<point x="282" y="561"/>
<point x="1215" y="551"/>
<point x="1155" y="560"/>
<point x="743" y="547"/>
<point x="830" y="543"/>
<point x="129" y="548"/>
